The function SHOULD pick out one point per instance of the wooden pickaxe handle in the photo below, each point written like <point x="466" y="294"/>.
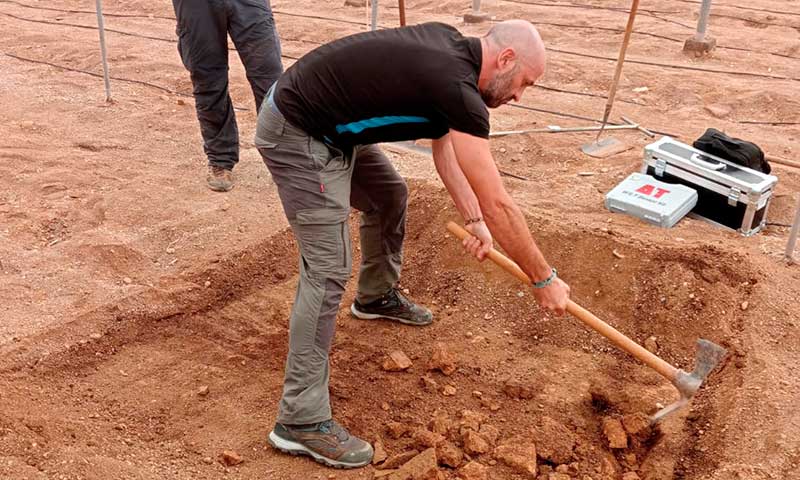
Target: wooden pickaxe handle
<point x="585" y="316"/>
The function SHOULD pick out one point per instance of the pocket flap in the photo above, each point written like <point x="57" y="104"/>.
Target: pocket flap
<point x="322" y="216"/>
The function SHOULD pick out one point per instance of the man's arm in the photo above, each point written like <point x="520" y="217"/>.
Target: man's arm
<point x="444" y="157"/>
<point x="504" y="218"/>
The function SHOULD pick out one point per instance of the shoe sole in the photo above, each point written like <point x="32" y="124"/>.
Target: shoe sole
<point x="373" y="316"/>
<point x="294" y="448"/>
<point x="217" y="188"/>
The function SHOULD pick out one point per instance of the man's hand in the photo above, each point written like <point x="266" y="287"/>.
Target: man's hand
<point x="479" y="244"/>
<point x="553" y="297"/>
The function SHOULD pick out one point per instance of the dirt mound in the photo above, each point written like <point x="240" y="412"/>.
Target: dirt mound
<point x="173" y="379"/>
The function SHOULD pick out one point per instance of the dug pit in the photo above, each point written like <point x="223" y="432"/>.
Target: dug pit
<point x="183" y="381"/>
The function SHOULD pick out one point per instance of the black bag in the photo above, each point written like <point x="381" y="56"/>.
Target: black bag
<point x="738" y="151"/>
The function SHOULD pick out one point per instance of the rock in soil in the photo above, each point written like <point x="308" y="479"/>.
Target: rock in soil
<point x="424" y="438"/>
<point x="630" y="476"/>
<point x="554" y="441"/>
<point x="637" y="425"/>
<point x="449" y="455"/>
<point x="379" y="454"/>
<point x="442" y="359"/>
<point x="440" y="423"/>
<point x="473" y="471"/>
<point x="518" y="390"/>
<point x="474" y="443"/>
<point x="231" y="458"/>
<point x="203" y="391"/>
<point x="519" y="455"/>
<point x="448" y="390"/>
<point x="398" y="460"/>
<point x="615" y="433"/>
<point x="470" y="420"/>
<point x="421" y="467"/>
<point x="397" y="361"/>
<point x="428" y="384"/>
<point x="559" y="476"/>
<point x="490" y="433"/>
<point x="397" y="429"/>
<point x="651" y="345"/>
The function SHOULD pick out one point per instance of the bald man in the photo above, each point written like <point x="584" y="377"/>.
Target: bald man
<point x="318" y="136"/>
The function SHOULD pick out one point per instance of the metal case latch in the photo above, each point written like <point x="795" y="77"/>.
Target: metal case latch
<point x="733" y="196"/>
<point x="661" y="165"/>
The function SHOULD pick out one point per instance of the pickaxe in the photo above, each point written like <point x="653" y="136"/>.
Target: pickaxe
<point x="709" y="354"/>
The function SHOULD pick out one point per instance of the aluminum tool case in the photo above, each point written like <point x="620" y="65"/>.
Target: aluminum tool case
<point x="729" y="195"/>
<point x="659" y="203"/>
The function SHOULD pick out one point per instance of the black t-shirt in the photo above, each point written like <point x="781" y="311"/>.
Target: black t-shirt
<point x="388" y="85"/>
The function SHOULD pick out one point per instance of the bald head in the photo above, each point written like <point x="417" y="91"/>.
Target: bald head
<point x="513" y="59"/>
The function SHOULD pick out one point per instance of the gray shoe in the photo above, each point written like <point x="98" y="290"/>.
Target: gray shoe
<point x="393" y="306"/>
<point x="326" y="442"/>
<point x="219" y="179"/>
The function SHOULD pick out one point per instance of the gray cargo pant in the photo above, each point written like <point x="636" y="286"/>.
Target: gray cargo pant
<point x="317" y="185"/>
<point x="203" y="27"/>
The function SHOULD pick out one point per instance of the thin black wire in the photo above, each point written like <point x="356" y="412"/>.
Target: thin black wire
<point x="567" y="52"/>
<point x="317" y="17"/>
<point x="98" y="75"/>
<point x="754" y="9"/>
<point x="170" y="40"/>
<point x="678" y="67"/>
<point x="646" y="13"/>
<point x="357" y="23"/>
<point x="166" y="17"/>
<point x="130" y="34"/>
<point x="662" y="37"/>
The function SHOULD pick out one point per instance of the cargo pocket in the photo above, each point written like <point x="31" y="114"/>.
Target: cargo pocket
<point x="327" y="158"/>
<point x="324" y="240"/>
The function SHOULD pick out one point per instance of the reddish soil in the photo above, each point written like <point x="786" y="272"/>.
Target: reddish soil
<point x="144" y="323"/>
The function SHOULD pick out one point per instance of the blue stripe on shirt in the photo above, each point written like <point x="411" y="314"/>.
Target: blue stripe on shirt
<point x="361" y="125"/>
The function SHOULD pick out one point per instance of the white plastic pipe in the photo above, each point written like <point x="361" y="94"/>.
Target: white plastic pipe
<point x="794" y="233"/>
<point x="374" y="14"/>
<point x="101" y="29"/>
<point x="476" y="6"/>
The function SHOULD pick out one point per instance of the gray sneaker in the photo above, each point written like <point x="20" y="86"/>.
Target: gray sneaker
<point x="326" y="442"/>
<point x="393" y="306"/>
<point x="219" y="179"/>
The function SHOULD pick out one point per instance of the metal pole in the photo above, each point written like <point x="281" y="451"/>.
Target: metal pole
<point x="476" y="16"/>
<point x="374" y="15"/>
<point x="793" y="235"/>
<point x="402" y="13"/>
<point x="702" y="22"/>
<point x="101" y="29"/>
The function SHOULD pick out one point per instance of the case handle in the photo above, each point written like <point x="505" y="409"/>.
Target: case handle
<point x="698" y="159"/>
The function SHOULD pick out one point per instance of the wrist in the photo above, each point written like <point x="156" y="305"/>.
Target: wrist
<point x="545" y="280"/>
<point x="473" y="220"/>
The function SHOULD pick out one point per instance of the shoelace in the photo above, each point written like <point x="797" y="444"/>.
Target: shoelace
<point x="331" y="426"/>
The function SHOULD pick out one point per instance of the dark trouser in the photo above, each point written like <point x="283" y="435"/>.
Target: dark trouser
<point x="317" y="185"/>
<point x="202" y="31"/>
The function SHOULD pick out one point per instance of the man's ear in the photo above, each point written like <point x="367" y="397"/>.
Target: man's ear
<point x="506" y="58"/>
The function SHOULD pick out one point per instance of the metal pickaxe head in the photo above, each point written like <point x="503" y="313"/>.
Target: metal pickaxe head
<point x="709" y="354"/>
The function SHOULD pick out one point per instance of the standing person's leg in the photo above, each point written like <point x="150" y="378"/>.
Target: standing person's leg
<point x="253" y="31"/>
<point x="314" y="186"/>
<point x="203" y="46"/>
<point x="380" y="193"/>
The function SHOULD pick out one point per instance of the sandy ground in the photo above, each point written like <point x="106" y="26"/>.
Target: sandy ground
<point x="128" y="288"/>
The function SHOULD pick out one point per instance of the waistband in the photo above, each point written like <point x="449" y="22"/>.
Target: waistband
<point x="271" y="100"/>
